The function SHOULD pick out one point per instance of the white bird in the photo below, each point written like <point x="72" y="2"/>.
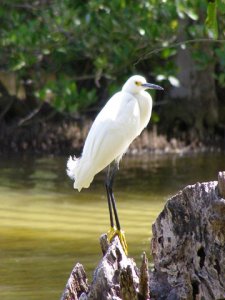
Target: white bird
<point x="120" y="121"/>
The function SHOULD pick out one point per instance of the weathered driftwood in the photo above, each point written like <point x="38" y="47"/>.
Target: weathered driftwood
<point x="77" y="284"/>
<point x="116" y="277"/>
<point x="221" y="184"/>
<point x="188" y="250"/>
<point x="188" y="246"/>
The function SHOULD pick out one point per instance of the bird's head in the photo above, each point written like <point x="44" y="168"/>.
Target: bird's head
<point x="138" y="83"/>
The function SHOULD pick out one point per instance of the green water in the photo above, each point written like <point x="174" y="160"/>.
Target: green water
<point x="46" y="226"/>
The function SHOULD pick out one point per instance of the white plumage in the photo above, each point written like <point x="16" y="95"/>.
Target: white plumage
<point x="120" y="121"/>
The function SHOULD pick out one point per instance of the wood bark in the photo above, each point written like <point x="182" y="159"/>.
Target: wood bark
<point x="188" y="250"/>
<point x="188" y="245"/>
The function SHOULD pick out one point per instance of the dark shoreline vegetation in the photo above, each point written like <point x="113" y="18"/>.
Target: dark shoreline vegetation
<point x="60" y="61"/>
<point x="66" y="135"/>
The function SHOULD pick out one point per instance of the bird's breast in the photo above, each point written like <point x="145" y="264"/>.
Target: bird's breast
<point x="145" y="107"/>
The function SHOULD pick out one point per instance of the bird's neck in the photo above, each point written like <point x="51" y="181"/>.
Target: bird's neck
<point x="145" y="106"/>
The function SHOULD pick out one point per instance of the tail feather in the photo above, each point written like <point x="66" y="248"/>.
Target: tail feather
<point x="72" y="165"/>
<point x="79" y="171"/>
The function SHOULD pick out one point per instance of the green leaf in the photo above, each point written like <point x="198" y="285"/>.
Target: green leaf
<point x="211" y="20"/>
<point x="19" y="65"/>
<point x="155" y="117"/>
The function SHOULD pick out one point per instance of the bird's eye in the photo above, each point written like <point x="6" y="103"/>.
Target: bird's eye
<point x="137" y="83"/>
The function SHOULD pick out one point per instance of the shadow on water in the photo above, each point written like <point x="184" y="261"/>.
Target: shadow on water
<point x="46" y="226"/>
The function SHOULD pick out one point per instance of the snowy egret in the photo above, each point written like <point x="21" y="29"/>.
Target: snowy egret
<point x="120" y="121"/>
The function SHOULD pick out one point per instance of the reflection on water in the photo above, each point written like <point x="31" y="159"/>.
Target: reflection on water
<point x="46" y="226"/>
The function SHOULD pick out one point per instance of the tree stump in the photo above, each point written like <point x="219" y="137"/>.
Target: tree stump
<point x="188" y="250"/>
<point x="116" y="277"/>
<point x="188" y="246"/>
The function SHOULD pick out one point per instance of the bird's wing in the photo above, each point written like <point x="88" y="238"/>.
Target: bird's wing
<point x="114" y="107"/>
<point x="113" y="130"/>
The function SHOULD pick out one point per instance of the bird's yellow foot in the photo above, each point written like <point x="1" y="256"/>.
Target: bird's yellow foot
<point x="121" y="234"/>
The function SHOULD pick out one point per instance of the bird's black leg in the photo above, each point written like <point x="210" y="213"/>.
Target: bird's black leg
<point x="112" y="209"/>
<point x="111" y="199"/>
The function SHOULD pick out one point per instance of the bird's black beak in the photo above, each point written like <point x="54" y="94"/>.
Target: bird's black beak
<point x="152" y="86"/>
